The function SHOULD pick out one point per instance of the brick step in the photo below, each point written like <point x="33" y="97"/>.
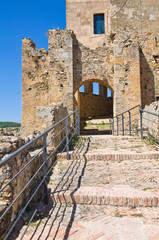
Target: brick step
<point x="111" y="156"/>
<point x="115" y="196"/>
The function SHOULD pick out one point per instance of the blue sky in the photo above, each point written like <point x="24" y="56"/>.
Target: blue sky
<point x="20" y="19"/>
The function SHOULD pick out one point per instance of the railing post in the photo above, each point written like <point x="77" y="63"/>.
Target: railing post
<point x="141" y="123"/>
<point x="117" y="120"/>
<point x="67" y="137"/>
<point x="77" y="122"/>
<point x="113" y="127"/>
<point x="123" y="124"/>
<point x="129" y="123"/>
<point x="110" y="125"/>
<point x="45" y="169"/>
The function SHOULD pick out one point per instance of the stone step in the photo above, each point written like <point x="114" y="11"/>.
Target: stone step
<point x="115" y="196"/>
<point x="111" y="156"/>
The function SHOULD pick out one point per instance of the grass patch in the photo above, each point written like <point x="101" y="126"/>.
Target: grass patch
<point x="101" y="125"/>
<point x="117" y="214"/>
<point x="75" y="142"/>
<point x="145" y="189"/>
<point x="149" y="141"/>
<point x="137" y="215"/>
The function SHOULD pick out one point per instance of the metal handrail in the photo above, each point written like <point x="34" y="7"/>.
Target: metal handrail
<point x="155" y="114"/>
<point x="119" y="121"/>
<point x="13" y="155"/>
<point x="127" y="111"/>
<point x="70" y="133"/>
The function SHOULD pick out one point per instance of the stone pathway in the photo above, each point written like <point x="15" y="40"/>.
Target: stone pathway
<point x="100" y="198"/>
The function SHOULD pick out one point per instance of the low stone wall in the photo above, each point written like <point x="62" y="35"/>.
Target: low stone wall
<point x="45" y="117"/>
<point x="151" y="122"/>
<point x="9" y="144"/>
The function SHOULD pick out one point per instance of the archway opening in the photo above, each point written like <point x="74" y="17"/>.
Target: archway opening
<point x="95" y="101"/>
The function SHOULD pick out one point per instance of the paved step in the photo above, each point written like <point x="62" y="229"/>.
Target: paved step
<point x="102" y="155"/>
<point x="112" y="148"/>
<point x="108" y="190"/>
<point x="116" y="196"/>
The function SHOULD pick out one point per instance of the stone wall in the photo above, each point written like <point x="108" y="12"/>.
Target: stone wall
<point x="127" y="92"/>
<point x="128" y="65"/>
<point x="148" y="60"/>
<point x="47" y="78"/>
<point x="141" y="15"/>
<point x="92" y="64"/>
<point x="151" y="122"/>
<point x="9" y="144"/>
<point x="34" y="81"/>
<point x="95" y="106"/>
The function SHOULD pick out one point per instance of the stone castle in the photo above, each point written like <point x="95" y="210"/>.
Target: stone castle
<point x="114" y="43"/>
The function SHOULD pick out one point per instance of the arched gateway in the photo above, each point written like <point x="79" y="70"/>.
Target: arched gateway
<point x="94" y="99"/>
<point x="95" y="102"/>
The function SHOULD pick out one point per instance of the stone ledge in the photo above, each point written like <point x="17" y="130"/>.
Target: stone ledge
<point x="116" y="157"/>
<point x="116" y="196"/>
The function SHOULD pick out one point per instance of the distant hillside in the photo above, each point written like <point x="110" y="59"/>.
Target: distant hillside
<point x="9" y="124"/>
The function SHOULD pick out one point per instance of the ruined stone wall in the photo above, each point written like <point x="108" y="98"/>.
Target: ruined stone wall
<point x="35" y="87"/>
<point x="148" y="60"/>
<point x="128" y="65"/>
<point x="92" y="64"/>
<point x="47" y="79"/>
<point x="149" y="69"/>
<point x="127" y="92"/>
<point x="61" y="67"/>
<point x="117" y="65"/>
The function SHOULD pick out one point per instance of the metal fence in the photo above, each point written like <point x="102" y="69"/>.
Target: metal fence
<point x="136" y="121"/>
<point x="71" y="128"/>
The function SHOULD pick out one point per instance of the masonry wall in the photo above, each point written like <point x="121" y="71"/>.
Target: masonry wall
<point x="127" y="92"/>
<point x="128" y="65"/>
<point x="35" y="82"/>
<point x="148" y="59"/>
<point x="92" y="64"/>
<point x="94" y="106"/>
<point x="9" y="144"/>
<point x="47" y="79"/>
<point x="151" y="122"/>
<point x="142" y="15"/>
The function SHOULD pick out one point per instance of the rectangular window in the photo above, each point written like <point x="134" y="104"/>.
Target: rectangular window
<point x="81" y="89"/>
<point x="99" y="26"/>
<point x="109" y="93"/>
<point x="95" y="88"/>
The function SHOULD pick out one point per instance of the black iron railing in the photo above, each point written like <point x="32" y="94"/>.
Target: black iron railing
<point x="68" y="127"/>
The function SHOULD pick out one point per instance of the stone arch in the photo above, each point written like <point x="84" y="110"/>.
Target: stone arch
<point x="91" y="80"/>
<point x="92" y="105"/>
